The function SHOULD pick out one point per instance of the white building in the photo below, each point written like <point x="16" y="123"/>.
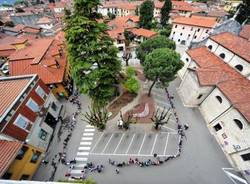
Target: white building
<point x="191" y="29"/>
<point x="215" y="78"/>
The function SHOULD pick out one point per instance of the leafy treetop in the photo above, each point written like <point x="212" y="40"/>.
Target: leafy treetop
<point x="146" y="14"/>
<point x="149" y="45"/>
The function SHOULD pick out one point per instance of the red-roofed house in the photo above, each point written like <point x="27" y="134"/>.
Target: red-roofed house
<point x="142" y="34"/>
<point x="191" y="29"/>
<point x="45" y="57"/>
<point x="245" y="32"/>
<point x="28" y="113"/>
<point x="216" y="79"/>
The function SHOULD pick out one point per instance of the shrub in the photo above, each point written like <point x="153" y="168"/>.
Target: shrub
<point x="132" y="85"/>
<point x="130" y="71"/>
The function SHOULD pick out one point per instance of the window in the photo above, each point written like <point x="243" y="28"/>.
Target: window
<point x="187" y="59"/>
<point x="22" y="122"/>
<point x="222" y="55"/>
<point x="192" y="28"/>
<point x="238" y="123"/>
<point x="217" y="127"/>
<point x="40" y="92"/>
<point x="199" y="97"/>
<point x="195" y="37"/>
<point x="239" y="67"/>
<point x="183" y="27"/>
<point x="21" y="153"/>
<point x="246" y="157"/>
<point x="35" y="156"/>
<point x="219" y="99"/>
<point x="188" y="35"/>
<point x="198" y="30"/>
<point x="25" y="177"/>
<point x="179" y="40"/>
<point x="54" y="106"/>
<point x="42" y="134"/>
<point x="210" y="47"/>
<point x="181" y="34"/>
<point x="32" y="105"/>
<point x="173" y="32"/>
<point x="207" y="31"/>
<point x="175" y="26"/>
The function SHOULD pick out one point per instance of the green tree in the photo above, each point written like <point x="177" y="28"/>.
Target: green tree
<point x="130" y="71"/>
<point x="165" y="10"/>
<point x="166" y="31"/>
<point x="146" y="14"/>
<point x="132" y="85"/>
<point x="92" y="56"/>
<point x="161" y="65"/>
<point x="149" y="45"/>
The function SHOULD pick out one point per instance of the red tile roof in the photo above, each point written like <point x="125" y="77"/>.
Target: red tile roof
<point x="123" y="22"/>
<point x="213" y="71"/>
<point x="37" y="59"/>
<point x="9" y="90"/>
<point x="9" y="151"/>
<point x="234" y="43"/>
<point x="143" y="32"/>
<point x="245" y="32"/>
<point x="196" y="21"/>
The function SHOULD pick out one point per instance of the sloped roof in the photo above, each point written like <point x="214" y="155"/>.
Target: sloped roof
<point x="9" y="151"/>
<point x="245" y="32"/>
<point x="234" y="43"/>
<point x="38" y="58"/>
<point x="213" y="71"/>
<point x="196" y="21"/>
<point x="143" y="32"/>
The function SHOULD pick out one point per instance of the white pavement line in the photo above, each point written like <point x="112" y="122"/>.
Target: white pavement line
<point x="119" y="143"/>
<point x="107" y="143"/>
<point x="80" y="165"/>
<point x="123" y="154"/>
<point x="97" y="142"/>
<point x="81" y="159"/>
<point x="88" y="134"/>
<point x="169" y="128"/>
<point x="89" y="126"/>
<point x="84" y="148"/>
<point x="130" y="143"/>
<point x="142" y="143"/>
<point x="166" y="145"/>
<point x="179" y="138"/>
<point x="89" y="130"/>
<point x="76" y="172"/>
<point x="82" y="153"/>
<point x="154" y="144"/>
<point x="87" y="138"/>
<point x="85" y="143"/>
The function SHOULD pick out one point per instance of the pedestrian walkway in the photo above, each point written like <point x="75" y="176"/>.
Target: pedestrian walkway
<point x="83" y="150"/>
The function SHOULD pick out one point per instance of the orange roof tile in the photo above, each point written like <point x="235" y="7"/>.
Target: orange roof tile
<point x="122" y="22"/>
<point x="9" y="151"/>
<point x="143" y="32"/>
<point x="196" y="21"/>
<point x="29" y="29"/>
<point x="213" y="71"/>
<point x="37" y="59"/>
<point x="245" y="32"/>
<point x="234" y="43"/>
<point x="15" y="86"/>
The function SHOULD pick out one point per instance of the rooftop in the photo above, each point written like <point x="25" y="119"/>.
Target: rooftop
<point x="42" y="57"/>
<point x="245" y="32"/>
<point x="234" y="43"/>
<point x="9" y="151"/>
<point x="10" y="89"/>
<point x="196" y="21"/>
<point x="213" y="71"/>
<point x="143" y="32"/>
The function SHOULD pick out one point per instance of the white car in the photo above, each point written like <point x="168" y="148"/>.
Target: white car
<point x="5" y="68"/>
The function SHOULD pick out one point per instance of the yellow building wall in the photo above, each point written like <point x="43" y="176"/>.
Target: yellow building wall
<point x="24" y="166"/>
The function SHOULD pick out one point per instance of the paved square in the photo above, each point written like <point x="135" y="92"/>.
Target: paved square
<point x="135" y="144"/>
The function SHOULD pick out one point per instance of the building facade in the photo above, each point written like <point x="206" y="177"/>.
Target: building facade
<point x="28" y="115"/>
<point x="215" y="79"/>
